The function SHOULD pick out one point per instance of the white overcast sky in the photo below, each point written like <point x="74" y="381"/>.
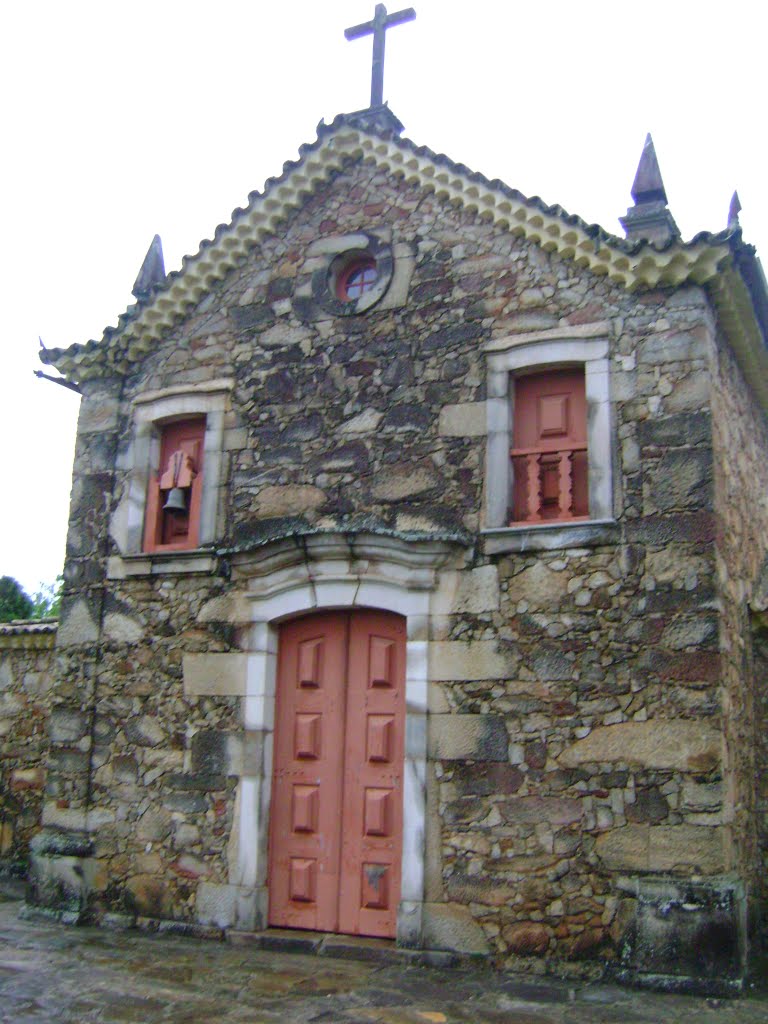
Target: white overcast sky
<point x="120" y="120"/>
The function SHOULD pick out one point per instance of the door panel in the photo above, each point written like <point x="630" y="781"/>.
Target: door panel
<point x="306" y="796"/>
<point x="373" y="791"/>
<point x="335" y="842"/>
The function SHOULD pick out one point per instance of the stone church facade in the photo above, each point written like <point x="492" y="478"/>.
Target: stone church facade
<point x="345" y="647"/>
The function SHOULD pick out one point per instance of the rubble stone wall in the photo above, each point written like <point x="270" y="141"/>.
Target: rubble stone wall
<point x="741" y="470"/>
<point x="575" y="728"/>
<point x="25" y="707"/>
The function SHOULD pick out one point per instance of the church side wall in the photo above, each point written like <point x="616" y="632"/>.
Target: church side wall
<point x="574" y="733"/>
<point x="741" y="473"/>
<point x="26" y="674"/>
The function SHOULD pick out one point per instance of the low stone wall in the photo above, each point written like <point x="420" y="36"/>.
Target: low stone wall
<point x="26" y="654"/>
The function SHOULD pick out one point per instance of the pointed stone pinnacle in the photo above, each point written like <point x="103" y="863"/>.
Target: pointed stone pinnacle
<point x="734" y="210"/>
<point x="152" y="270"/>
<point x="649" y="219"/>
<point x="648" y="186"/>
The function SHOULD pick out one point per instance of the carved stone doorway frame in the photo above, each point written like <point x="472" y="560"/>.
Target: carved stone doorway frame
<point x="293" y="577"/>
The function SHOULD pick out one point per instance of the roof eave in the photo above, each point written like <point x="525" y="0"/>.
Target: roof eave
<point x="740" y="296"/>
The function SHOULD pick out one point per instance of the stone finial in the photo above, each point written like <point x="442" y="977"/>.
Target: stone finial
<point x="733" y="211"/>
<point x="380" y="120"/>
<point x="152" y="270"/>
<point x="648" y="186"/>
<point x="649" y="218"/>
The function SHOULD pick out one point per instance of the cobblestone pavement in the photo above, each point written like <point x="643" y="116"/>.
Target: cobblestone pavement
<point x="54" y="973"/>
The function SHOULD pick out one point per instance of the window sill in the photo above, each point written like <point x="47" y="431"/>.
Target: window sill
<point x="550" y="536"/>
<point x="161" y="563"/>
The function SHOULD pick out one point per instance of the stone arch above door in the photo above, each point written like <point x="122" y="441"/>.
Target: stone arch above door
<point x="289" y="578"/>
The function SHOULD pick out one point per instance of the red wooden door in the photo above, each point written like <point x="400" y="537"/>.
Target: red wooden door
<point x="549" y="453"/>
<point x="335" y="840"/>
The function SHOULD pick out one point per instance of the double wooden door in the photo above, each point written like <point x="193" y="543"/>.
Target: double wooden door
<point x="337" y="801"/>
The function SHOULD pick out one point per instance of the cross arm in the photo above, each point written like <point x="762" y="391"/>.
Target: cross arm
<point x="357" y="31"/>
<point x="369" y="27"/>
<point x="401" y="16"/>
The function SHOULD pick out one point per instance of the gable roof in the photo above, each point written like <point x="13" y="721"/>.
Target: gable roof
<point x="721" y="261"/>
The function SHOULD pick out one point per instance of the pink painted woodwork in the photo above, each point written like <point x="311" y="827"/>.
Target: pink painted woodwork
<point x="549" y="453"/>
<point x="356" y="279"/>
<point x="336" y="835"/>
<point x="181" y="452"/>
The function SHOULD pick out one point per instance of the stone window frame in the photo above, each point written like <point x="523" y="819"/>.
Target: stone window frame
<point x="337" y="255"/>
<point x="585" y="346"/>
<point x="151" y="412"/>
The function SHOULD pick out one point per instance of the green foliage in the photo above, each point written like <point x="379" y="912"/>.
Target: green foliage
<point x="14" y="602"/>
<point x="46" y="601"/>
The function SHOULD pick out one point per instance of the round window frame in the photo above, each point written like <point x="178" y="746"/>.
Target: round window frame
<point x="325" y="282"/>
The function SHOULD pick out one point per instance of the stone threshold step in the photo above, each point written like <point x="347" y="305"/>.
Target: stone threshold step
<point x="352" y="947"/>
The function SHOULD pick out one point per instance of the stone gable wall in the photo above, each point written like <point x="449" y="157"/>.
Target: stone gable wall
<point x="575" y="715"/>
<point x="26" y="675"/>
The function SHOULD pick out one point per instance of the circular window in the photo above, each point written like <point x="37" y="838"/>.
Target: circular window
<point x="357" y="278"/>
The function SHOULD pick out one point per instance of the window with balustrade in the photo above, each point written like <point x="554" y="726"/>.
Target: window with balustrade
<point x="549" y="455"/>
<point x="549" y="448"/>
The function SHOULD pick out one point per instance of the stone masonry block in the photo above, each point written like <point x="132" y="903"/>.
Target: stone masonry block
<point x="663" y="848"/>
<point x="681" y="479"/>
<point x="122" y="629"/>
<point x="77" y="627"/>
<point x="680" y="429"/>
<point x="289" y="499"/>
<point x="399" y="482"/>
<point x="479" y="659"/>
<point x="469" y="419"/>
<point x="67" y="725"/>
<point x="679" y="745"/>
<point x="98" y="413"/>
<point x="27" y="778"/>
<point x="474" y="592"/>
<point x="687" y="929"/>
<point x="232" y="607"/>
<point x="215" y="675"/>
<point x="539" y="586"/>
<point x="671" y="346"/>
<point x="451" y="926"/>
<point x="216" y="904"/>
<point x="462" y="737"/>
<point x="533" y="810"/>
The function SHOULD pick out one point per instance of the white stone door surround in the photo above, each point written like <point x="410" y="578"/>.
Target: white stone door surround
<point x="323" y="572"/>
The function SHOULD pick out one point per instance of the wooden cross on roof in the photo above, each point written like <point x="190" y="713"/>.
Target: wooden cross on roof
<point x="378" y="28"/>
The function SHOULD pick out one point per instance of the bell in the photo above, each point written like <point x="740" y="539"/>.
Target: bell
<point x="176" y="500"/>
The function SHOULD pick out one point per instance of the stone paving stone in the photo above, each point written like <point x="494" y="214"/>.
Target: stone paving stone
<point x="52" y="974"/>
